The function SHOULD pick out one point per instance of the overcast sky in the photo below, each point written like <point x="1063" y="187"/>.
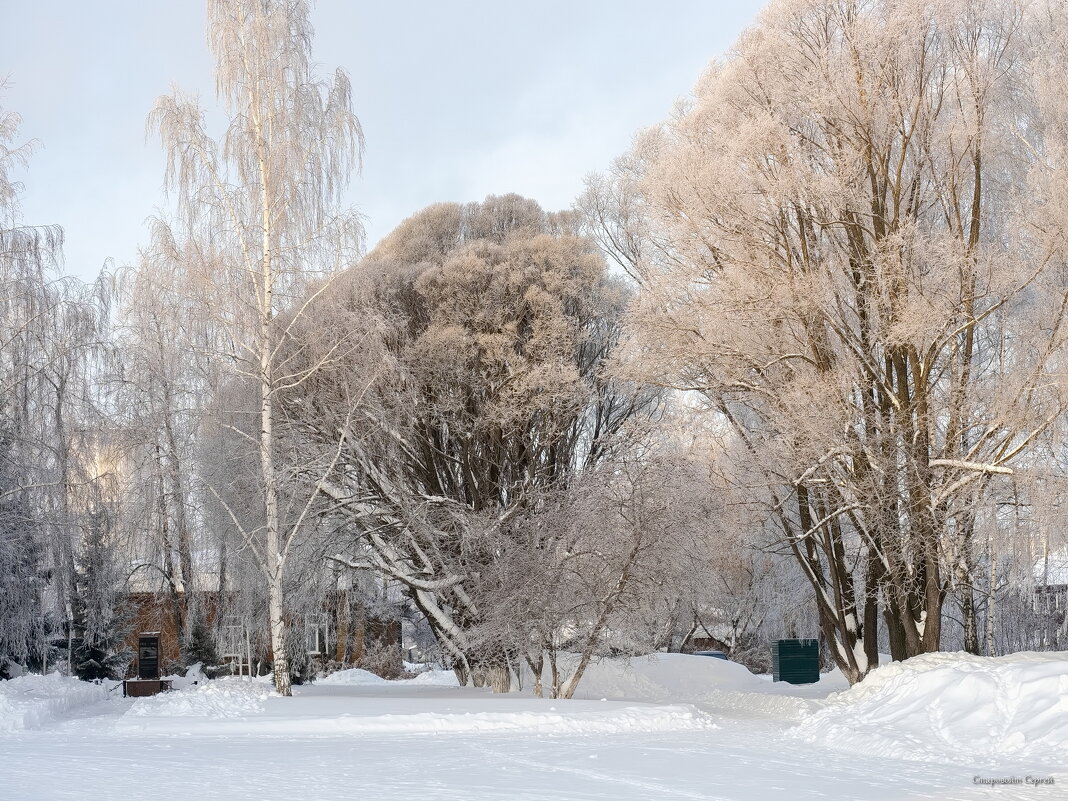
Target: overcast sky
<point x="458" y="98"/>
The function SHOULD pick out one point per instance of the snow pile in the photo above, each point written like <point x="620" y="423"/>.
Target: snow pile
<point x="352" y="677"/>
<point x="952" y="707"/>
<point x="33" y="700"/>
<point x="662" y="677"/>
<point x="435" y="678"/>
<point x="357" y="677"/>
<point x="712" y="683"/>
<point x="221" y="698"/>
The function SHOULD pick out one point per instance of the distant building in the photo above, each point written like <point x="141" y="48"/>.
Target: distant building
<point x="1050" y="601"/>
<point x="338" y="630"/>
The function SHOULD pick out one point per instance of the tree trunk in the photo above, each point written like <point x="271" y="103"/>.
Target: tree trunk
<point x="870" y="631"/>
<point x="896" y="633"/>
<point x="971" y="629"/>
<point x="276" y="610"/>
<point x="991" y="606"/>
<point x="274" y="556"/>
<point x="499" y="678"/>
<point x="536" y="667"/>
<point x="554" y="671"/>
<point x="181" y="524"/>
<point x="276" y="601"/>
<point x="174" y="581"/>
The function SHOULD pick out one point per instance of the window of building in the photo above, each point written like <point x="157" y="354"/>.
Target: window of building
<point x="316" y="635"/>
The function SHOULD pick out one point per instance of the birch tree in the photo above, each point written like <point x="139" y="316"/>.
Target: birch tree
<point x="835" y="252"/>
<point x="261" y="214"/>
<point x="161" y="381"/>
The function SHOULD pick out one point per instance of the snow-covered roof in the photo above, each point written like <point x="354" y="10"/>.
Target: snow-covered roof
<point x="1052" y="569"/>
<point x="146" y="577"/>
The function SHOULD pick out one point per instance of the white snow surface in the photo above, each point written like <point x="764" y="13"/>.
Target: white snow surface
<point x="238" y="706"/>
<point x="33" y="700"/>
<point x="951" y="707"/>
<point x="666" y="727"/>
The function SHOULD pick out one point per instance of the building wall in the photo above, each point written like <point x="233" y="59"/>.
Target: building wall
<point x="353" y="636"/>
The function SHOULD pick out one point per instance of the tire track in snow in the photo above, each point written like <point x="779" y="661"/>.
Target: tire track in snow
<point x="596" y="775"/>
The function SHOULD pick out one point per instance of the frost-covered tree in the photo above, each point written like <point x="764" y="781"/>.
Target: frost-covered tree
<point x="601" y="566"/>
<point x="26" y="253"/>
<point x="463" y="361"/>
<point x="845" y="245"/>
<point x="52" y="332"/>
<point x="259" y="213"/>
<point x="24" y="624"/>
<point x="160" y="380"/>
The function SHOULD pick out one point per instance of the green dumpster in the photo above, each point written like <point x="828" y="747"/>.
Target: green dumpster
<point x="796" y="661"/>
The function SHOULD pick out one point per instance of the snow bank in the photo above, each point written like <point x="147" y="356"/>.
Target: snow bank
<point x="951" y="707"/>
<point x="33" y="700"/>
<point x="711" y="683"/>
<point x="221" y="698"/>
<point x="357" y="677"/>
<point x="435" y="678"/>
<point x="660" y="677"/>
<point x="353" y="677"/>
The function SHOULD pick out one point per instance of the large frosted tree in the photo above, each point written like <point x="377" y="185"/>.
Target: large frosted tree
<point x="479" y="386"/>
<point x="259" y="214"/>
<point x="845" y="246"/>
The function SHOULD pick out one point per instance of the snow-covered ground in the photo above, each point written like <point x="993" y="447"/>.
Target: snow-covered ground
<point x="32" y="701"/>
<point x="665" y="727"/>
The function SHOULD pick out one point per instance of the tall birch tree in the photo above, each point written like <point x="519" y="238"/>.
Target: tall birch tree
<point x="260" y="213"/>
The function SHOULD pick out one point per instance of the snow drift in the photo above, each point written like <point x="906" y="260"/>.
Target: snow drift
<point x="952" y="707"/>
<point x="714" y="684"/>
<point x="218" y="699"/>
<point x="33" y="700"/>
<point x="353" y="677"/>
<point x="357" y="677"/>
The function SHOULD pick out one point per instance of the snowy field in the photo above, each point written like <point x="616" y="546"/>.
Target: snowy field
<point x="666" y="727"/>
